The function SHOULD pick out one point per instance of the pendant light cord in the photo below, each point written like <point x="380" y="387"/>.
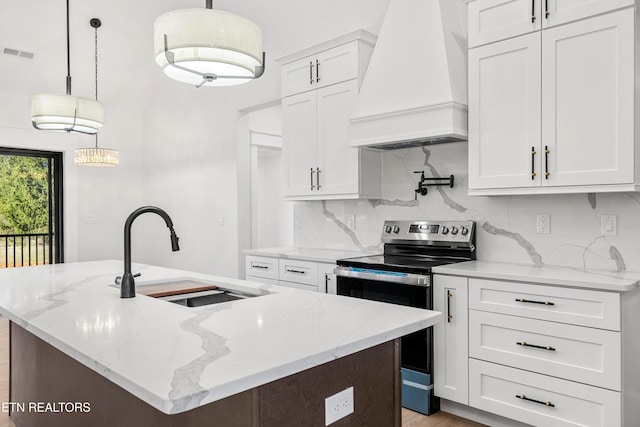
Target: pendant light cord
<point x="68" y="55"/>
<point x="96" y="23"/>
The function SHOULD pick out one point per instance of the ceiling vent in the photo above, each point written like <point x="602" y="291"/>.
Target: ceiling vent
<point x="19" y="53"/>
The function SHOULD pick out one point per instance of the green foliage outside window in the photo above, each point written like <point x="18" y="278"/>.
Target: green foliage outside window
<point x="24" y="194"/>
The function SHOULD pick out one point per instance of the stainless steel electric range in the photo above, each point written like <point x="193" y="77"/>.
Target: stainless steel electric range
<point x="402" y="275"/>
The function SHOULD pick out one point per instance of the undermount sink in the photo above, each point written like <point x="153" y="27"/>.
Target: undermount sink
<point x="190" y="292"/>
<point x="198" y="299"/>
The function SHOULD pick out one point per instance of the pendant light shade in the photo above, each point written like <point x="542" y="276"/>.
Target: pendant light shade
<point x="66" y="113"/>
<point x="96" y="156"/>
<point x="208" y="47"/>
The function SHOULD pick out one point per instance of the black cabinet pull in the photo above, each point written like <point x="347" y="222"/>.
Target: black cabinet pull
<point x="533" y="11"/>
<point x="261" y="267"/>
<point x="317" y="71"/>
<point x="318" y="186"/>
<point x="546" y="162"/>
<point x="310" y="72"/>
<point x="535" y="302"/>
<point x="547" y="403"/>
<point x="543" y="347"/>
<point x="295" y="271"/>
<point x="546" y="9"/>
<point x="533" y="163"/>
<point x="449" y="316"/>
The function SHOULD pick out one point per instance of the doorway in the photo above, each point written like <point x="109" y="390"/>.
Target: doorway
<point x="31" y="217"/>
<point x="271" y="215"/>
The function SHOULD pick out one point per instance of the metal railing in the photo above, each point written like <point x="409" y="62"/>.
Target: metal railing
<point x="18" y="250"/>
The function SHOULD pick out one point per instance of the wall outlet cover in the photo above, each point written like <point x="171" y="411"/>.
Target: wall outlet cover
<point x="543" y="225"/>
<point x="609" y="225"/>
<point x="338" y="406"/>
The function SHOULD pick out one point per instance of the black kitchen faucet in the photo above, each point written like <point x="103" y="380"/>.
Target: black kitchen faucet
<point x="128" y="284"/>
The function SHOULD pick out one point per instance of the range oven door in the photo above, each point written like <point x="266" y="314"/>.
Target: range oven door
<point x="394" y="288"/>
<point x="411" y="290"/>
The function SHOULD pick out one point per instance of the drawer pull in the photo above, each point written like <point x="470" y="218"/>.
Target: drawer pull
<point x="295" y="271"/>
<point x="534" y="302"/>
<point x="449" y="316"/>
<point x="544" y="347"/>
<point x="547" y="403"/>
<point x="261" y="267"/>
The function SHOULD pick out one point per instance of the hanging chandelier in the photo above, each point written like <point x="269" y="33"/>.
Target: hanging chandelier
<point x="96" y="156"/>
<point x="208" y="47"/>
<point x="66" y="112"/>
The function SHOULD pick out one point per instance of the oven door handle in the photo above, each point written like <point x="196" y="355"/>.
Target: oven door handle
<point x="403" y="278"/>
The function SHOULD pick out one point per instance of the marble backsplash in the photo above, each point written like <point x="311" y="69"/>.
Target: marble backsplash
<point x="506" y="224"/>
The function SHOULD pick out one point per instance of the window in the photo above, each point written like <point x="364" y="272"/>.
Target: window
<point x="30" y="207"/>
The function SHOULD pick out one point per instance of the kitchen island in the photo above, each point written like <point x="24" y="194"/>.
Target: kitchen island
<point x="268" y="360"/>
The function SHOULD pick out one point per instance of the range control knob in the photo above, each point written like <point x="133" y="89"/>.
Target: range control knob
<point x="464" y="231"/>
<point x="454" y="230"/>
<point x="396" y="229"/>
<point x="445" y="230"/>
<point x="387" y="229"/>
<point x="423" y="227"/>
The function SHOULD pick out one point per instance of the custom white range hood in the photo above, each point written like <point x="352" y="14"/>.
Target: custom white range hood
<point x="415" y="89"/>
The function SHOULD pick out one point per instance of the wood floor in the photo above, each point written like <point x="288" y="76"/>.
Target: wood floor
<point x="409" y="418"/>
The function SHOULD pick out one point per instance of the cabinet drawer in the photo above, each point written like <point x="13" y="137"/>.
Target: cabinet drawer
<point x="576" y="306"/>
<point x="303" y="272"/>
<point x="494" y="388"/>
<point x="261" y="267"/>
<point x="586" y="355"/>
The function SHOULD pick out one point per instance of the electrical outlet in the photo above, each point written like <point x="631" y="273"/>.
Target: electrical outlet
<point x="338" y="406"/>
<point x="351" y="222"/>
<point x="543" y="225"/>
<point x="609" y="225"/>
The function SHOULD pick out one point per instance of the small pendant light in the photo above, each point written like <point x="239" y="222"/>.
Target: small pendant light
<point x="208" y="47"/>
<point x="65" y="112"/>
<point x="96" y="156"/>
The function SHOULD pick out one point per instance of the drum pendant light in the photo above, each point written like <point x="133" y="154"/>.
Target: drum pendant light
<point x="208" y="47"/>
<point x="96" y="156"/>
<point x="66" y="112"/>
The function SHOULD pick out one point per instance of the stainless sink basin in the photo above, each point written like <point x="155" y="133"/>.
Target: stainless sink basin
<point x="198" y="299"/>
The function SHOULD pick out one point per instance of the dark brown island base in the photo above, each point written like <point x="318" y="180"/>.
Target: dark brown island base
<point x="42" y="373"/>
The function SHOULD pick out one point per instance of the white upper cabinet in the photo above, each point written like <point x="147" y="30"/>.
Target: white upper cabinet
<point x="504" y="124"/>
<point x="588" y="102"/>
<point x="326" y="68"/>
<point x="553" y="111"/>
<point x="319" y="92"/>
<point x="494" y="20"/>
<point x="556" y="12"/>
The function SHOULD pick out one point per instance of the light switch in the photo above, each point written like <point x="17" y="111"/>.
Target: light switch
<point x="609" y="225"/>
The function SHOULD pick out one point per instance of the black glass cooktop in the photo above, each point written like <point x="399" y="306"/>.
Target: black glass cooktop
<point x="404" y="264"/>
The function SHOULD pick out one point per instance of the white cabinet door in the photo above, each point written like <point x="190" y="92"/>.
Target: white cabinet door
<point x="504" y="114"/>
<point x="588" y="101"/>
<point x="337" y="65"/>
<point x="298" y="76"/>
<point x="493" y="20"/>
<point x="326" y="278"/>
<point x="556" y="12"/>
<point x="337" y="161"/>
<point x="451" y="370"/>
<point x="299" y="142"/>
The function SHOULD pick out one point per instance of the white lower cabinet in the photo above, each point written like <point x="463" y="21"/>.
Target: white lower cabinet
<point x="540" y="400"/>
<point x="539" y="354"/>
<point x="306" y="275"/>
<point x="450" y="376"/>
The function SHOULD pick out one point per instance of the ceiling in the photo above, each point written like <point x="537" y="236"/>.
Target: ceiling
<point x="126" y="60"/>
